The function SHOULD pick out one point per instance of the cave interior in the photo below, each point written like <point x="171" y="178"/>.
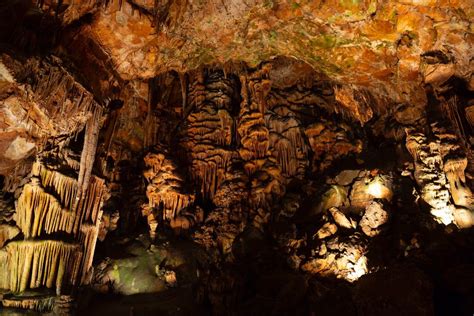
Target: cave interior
<point x="232" y="157"/>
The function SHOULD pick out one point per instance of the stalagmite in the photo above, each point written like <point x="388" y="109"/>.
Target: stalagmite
<point x="429" y="175"/>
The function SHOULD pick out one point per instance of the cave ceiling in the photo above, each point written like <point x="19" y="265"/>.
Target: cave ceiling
<point x="387" y="49"/>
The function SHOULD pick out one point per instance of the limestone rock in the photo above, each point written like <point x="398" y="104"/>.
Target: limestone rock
<point x="327" y="230"/>
<point x="372" y="220"/>
<point x="343" y="258"/>
<point x="336" y="196"/>
<point x="7" y="232"/>
<point x="346" y="177"/>
<point x="340" y="218"/>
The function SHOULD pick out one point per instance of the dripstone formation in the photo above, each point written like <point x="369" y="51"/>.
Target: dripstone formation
<point x="236" y="158"/>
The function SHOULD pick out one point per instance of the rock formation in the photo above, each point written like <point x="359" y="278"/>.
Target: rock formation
<point x="236" y="157"/>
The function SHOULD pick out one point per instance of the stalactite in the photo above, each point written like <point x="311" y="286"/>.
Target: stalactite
<point x="38" y="212"/>
<point x="450" y="108"/>
<point x="184" y="92"/>
<point x="263" y="170"/>
<point x="329" y="142"/>
<point x="40" y="304"/>
<point x="355" y="103"/>
<point x="90" y="204"/>
<point x="64" y="186"/>
<point x="254" y="135"/>
<point x="208" y="130"/>
<point x="454" y="166"/>
<point x="48" y="263"/>
<point x="470" y="115"/>
<point x="413" y="144"/>
<point x="287" y="141"/>
<point x="88" y="153"/>
<point x="89" y="240"/>
<point x="43" y="209"/>
<point x="56" y="86"/>
<point x="110" y="132"/>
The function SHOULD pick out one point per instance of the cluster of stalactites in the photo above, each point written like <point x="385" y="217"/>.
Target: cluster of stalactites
<point x="52" y="84"/>
<point x="454" y="165"/>
<point x="209" y="130"/>
<point x="287" y="141"/>
<point x="86" y="207"/>
<point x="42" y="304"/>
<point x="64" y="186"/>
<point x="45" y="207"/>
<point x="38" y="211"/>
<point x="262" y="168"/>
<point x="38" y="263"/>
<point x="254" y="136"/>
<point x="439" y="172"/>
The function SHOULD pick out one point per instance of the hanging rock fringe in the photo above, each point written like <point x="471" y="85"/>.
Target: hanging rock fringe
<point x="39" y="304"/>
<point x="45" y="207"/>
<point x="208" y="130"/>
<point x="64" y="186"/>
<point x="49" y="263"/>
<point x="287" y="141"/>
<point x="166" y="187"/>
<point x="38" y="212"/>
<point x="66" y="101"/>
